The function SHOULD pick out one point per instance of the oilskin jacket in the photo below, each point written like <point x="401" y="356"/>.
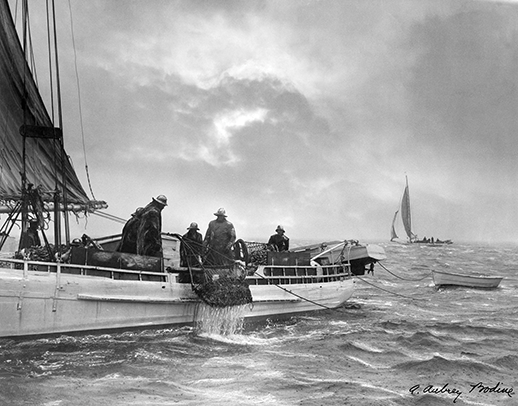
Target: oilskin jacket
<point x="218" y="241"/>
<point x="282" y="242"/>
<point x="149" y="235"/>
<point x="191" y="248"/>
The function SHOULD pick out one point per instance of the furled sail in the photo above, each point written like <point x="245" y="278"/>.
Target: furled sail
<point x="405" y="213"/>
<point x="21" y="105"/>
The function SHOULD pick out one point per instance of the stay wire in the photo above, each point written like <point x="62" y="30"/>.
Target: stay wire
<point x="79" y="100"/>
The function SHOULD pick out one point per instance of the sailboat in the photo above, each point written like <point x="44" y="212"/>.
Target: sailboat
<point x="406" y="218"/>
<point x="94" y="288"/>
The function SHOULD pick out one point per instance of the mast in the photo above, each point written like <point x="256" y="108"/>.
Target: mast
<point x="60" y="148"/>
<point x="24" y="208"/>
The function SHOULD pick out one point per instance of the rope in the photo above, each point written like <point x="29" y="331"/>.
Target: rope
<point x="109" y="217"/>
<point x="79" y="100"/>
<point x="295" y="294"/>
<point x="388" y="291"/>
<point x="405" y="279"/>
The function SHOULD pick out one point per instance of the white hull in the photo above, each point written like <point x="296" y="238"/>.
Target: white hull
<point x="474" y="281"/>
<point x="41" y="302"/>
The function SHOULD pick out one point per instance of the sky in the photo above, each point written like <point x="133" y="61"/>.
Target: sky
<point x="304" y="113"/>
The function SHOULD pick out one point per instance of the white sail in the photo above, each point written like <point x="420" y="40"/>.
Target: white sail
<point x="393" y="234"/>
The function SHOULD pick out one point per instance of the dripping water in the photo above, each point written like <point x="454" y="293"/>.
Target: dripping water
<point x="219" y="320"/>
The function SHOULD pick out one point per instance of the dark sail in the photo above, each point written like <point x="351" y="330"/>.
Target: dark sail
<point x="21" y="105"/>
<point x="406" y="214"/>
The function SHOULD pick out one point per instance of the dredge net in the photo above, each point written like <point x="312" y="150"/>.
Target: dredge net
<point x="225" y="285"/>
<point x="220" y="287"/>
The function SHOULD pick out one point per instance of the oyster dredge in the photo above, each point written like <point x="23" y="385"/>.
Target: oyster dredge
<point x="87" y="285"/>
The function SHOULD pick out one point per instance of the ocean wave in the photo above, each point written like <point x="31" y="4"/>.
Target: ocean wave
<point x="509" y="362"/>
<point x="445" y="365"/>
<point x="425" y="339"/>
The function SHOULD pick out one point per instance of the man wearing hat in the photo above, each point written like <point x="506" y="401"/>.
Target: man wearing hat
<point x="191" y="247"/>
<point x="219" y="239"/>
<point x="32" y="234"/>
<point x="280" y="241"/>
<point x="149" y="232"/>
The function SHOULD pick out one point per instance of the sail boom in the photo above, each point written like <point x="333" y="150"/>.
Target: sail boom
<point x="89" y="207"/>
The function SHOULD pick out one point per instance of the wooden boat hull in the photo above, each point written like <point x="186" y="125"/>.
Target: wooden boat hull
<point x="39" y="302"/>
<point x="473" y="281"/>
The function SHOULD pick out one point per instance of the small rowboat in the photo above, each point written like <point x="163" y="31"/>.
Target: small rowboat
<point x="473" y="281"/>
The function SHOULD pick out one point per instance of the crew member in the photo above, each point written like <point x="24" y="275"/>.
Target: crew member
<point x="279" y="241"/>
<point x="191" y="246"/>
<point x="32" y="234"/>
<point x="219" y="238"/>
<point x="149" y="232"/>
<point x="128" y="242"/>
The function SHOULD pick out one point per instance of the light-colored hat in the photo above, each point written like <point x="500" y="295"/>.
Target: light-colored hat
<point x="221" y="212"/>
<point x="161" y="199"/>
<point x="279" y="227"/>
<point x="76" y="242"/>
<point x="193" y="226"/>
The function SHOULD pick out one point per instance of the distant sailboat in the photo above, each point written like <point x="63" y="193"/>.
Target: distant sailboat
<point x="406" y="218"/>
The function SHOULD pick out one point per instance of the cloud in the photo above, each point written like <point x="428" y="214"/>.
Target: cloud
<point x="304" y="113"/>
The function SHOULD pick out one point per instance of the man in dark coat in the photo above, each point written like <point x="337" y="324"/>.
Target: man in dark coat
<point x="32" y="234"/>
<point x="149" y="233"/>
<point x="219" y="239"/>
<point x="191" y="247"/>
<point x="128" y="242"/>
<point x="279" y="241"/>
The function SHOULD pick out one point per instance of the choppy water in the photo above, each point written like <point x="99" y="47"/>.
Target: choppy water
<point x="381" y="349"/>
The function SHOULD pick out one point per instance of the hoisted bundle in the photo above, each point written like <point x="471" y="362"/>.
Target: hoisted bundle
<point x="222" y="285"/>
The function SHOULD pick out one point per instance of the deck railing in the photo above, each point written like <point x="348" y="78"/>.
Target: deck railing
<point x="273" y="274"/>
<point x="278" y="274"/>
<point x="86" y="270"/>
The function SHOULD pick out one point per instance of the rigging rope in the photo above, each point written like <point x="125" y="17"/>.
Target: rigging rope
<point x="79" y="100"/>
<point x="110" y="217"/>
<point x="405" y="279"/>
<point x="295" y="294"/>
<point x="388" y="291"/>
